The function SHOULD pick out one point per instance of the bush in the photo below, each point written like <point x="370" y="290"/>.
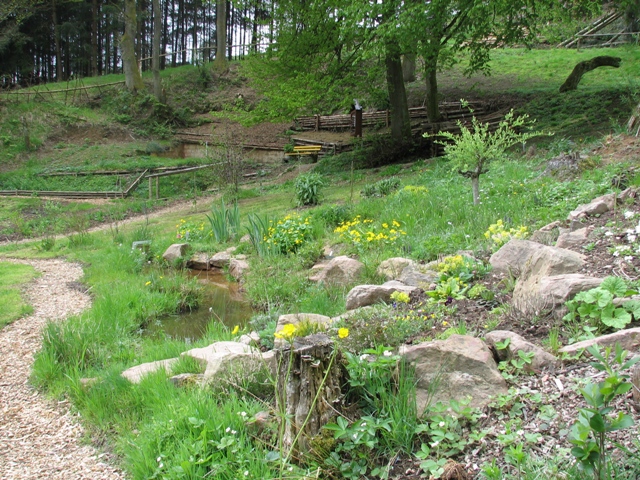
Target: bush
<point x="289" y="234"/>
<point x="382" y="188"/>
<point x="307" y="187"/>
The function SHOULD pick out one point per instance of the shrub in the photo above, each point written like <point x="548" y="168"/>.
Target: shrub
<point x="191" y="231"/>
<point x="307" y="188"/>
<point x="289" y="234"/>
<point x="365" y="233"/>
<point x="500" y="235"/>
<point x="382" y="188"/>
<point x="225" y="222"/>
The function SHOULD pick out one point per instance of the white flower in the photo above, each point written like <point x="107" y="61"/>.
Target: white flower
<point x="441" y="424"/>
<point x="243" y="414"/>
<point x="435" y="444"/>
<point x="363" y="357"/>
<point x="609" y="234"/>
<point x="387" y="353"/>
<point x="616" y="253"/>
<point x="246" y="473"/>
<point x="228" y="429"/>
<point x="233" y="432"/>
<point x="631" y="238"/>
<point x="158" y="459"/>
<point x="629" y="214"/>
<point x="628" y="258"/>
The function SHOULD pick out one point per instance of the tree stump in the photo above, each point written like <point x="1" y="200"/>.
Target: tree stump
<point x="302" y="376"/>
<point x="572" y="81"/>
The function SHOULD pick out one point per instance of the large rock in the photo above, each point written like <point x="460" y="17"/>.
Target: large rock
<point x="418" y="276"/>
<point x="391" y="268"/>
<point x="227" y="357"/>
<point x="575" y="239"/>
<point x="199" y="261"/>
<point x="597" y="206"/>
<point x="364" y="295"/>
<point x="237" y="268"/>
<point x="175" y="252"/>
<point x="516" y="256"/>
<point x="541" y="359"/>
<point x="296" y="319"/>
<point x="628" y="339"/>
<point x="547" y="277"/>
<point x="539" y="295"/>
<point x="454" y="369"/>
<point x="136" y="374"/>
<point x="220" y="259"/>
<point x="337" y="271"/>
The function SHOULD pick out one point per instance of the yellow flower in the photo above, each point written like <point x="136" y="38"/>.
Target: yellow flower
<point x="287" y="331"/>
<point x="343" y="332"/>
<point x="235" y="330"/>
<point x="147" y="284"/>
<point x="385" y="225"/>
<point x="445" y="323"/>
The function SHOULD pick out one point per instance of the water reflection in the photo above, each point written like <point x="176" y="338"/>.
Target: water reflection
<point x="222" y="302"/>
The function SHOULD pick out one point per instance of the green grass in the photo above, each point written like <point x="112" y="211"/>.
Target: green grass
<point x="12" y="277"/>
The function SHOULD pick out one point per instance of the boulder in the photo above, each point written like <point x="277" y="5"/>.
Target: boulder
<point x="541" y="359"/>
<point x="364" y="295"/>
<point x="175" y="252"/>
<point x="135" y="374"/>
<point x="627" y="194"/>
<point x="391" y="268"/>
<point x="597" y="206"/>
<point x="548" y="234"/>
<point x="454" y="369"/>
<point x="227" y="357"/>
<point x="220" y="260"/>
<point x="237" y="268"/>
<point x="297" y="318"/>
<point x="250" y="338"/>
<point x="199" y="261"/>
<point x="337" y="271"/>
<point x="525" y="258"/>
<point x="542" y="294"/>
<point x="575" y="239"/>
<point x="418" y="276"/>
<point x="628" y="339"/>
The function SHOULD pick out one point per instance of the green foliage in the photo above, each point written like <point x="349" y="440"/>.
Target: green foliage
<point x="12" y="305"/>
<point x="225" y="222"/>
<point x="289" y="234"/>
<point x="596" y="306"/>
<point x="472" y="150"/>
<point x="307" y="187"/>
<point x="366" y="234"/>
<point x="589" y="432"/>
<point x="381" y="188"/>
<point x="499" y="235"/>
<point x="446" y="290"/>
<point x="191" y="231"/>
<point x="464" y="268"/>
<point x="334" y="215"/>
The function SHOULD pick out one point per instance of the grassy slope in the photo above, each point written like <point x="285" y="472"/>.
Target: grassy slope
<point x="12" y="277"/>
<point x="162" y="421"/>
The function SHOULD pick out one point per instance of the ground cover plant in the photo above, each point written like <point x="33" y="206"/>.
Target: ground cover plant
<point x="420" y="211"/>
<point x="12" y="277"/>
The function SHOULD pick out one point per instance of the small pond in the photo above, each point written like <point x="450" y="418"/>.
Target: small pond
<point x="222" y="301"/>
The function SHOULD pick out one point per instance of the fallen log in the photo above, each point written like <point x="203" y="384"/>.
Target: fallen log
<point x="572" y="81"/>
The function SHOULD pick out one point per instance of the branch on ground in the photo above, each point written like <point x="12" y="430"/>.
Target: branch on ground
<point x="572" y="81"/>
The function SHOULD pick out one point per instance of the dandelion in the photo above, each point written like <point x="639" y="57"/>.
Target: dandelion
<point x="343" y="332"/>
<point x="148" y="283"/>
<point x="445" y="323"/>
<point x="235" y="330"/>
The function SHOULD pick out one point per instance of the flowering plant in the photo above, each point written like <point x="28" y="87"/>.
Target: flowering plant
<point x="364" y="233"/>
<point x="499" y="235"/>
<point x="191" y="230"/>
<point x="288" y="234"/>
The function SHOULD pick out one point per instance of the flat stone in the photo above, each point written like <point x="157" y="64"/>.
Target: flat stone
<point x="220" y="260"/>
<point x="597" y="206"/>
<point x="221" y="357"/>
<point x="137" y="373"/>
<point x="526" y="258"/>
<point x="199" y="261"/>
<point x="628" y="339"/>
<point x="418" y="276"/>
<point x="364" y="295"/>
<point x="575" y="239"/>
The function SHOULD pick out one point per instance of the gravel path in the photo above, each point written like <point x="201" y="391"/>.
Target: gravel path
<point x="39" y="438"/>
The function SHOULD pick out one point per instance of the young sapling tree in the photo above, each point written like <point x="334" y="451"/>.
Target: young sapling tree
<point x="473" y="149"/>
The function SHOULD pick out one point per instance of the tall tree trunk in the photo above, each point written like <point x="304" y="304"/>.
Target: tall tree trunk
<point x="221" y="34"/>
<point x="157" y="33"/>
<point x="409" y="67"/>
<point x="94" y="38"/>
<point x="400" y="122"/>
<point x="56" y="37"/>
<point x="431" y="79"/>
<point x="254" y="29"/>
<point x="194" y="60"/>
<point x="132" y="76"/>
<point x="165" y="35"/>
<point x="475" y="186"/>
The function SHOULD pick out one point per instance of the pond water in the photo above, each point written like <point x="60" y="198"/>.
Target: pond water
<point x="222" y="302"/>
